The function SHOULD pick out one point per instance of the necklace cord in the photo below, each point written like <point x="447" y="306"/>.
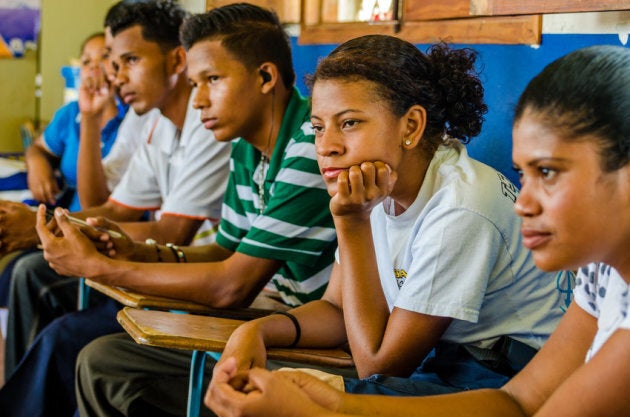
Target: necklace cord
<point x="264" y="160"/>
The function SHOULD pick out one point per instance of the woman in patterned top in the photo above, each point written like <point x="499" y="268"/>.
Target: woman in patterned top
<point x="572" y="150"/>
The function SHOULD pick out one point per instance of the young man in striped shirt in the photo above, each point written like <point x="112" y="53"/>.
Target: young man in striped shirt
<point x="275" y="228"/>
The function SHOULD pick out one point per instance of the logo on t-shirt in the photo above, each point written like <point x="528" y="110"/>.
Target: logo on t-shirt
<point x="507" y="188"/>
<point x="400" y="275"/>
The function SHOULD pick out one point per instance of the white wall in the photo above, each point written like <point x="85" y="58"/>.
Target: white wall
<point x="589" y="23"/>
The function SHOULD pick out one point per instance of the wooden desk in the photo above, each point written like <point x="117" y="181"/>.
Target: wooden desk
<point x="142" y="301"/>
<point x="192" y="332"/>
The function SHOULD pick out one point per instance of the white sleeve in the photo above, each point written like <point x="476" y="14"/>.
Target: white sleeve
<point x="199" y="188"/>
<point x="129" y="138"/>
<point x="454" y="253"/>
<point x="139" y="187"/>
<point x="191" y="184"/>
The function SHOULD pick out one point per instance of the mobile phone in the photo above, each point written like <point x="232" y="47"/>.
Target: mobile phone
<point x="50" y="214"/>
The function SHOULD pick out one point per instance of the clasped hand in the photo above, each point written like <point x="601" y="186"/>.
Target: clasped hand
<point x="259" y="392"/>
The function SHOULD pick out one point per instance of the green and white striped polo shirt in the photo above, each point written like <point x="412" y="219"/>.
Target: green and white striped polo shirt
<point x="295" y="226"/>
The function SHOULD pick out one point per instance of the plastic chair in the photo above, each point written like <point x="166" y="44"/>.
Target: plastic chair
<point x="195" y="384"/>
<point x="84" y="295"/>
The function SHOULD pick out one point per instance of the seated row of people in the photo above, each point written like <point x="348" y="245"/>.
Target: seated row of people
<point x="179" y="169"/>
<point x="80" y="156"/>
<point x="571" y="143"/>
<point x="140" y="40"/>
<point x="60" y="144"/>
<point x="431" y="285"/>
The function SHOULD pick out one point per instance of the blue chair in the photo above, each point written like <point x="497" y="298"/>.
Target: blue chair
<point x="195" y="384"/>
<point x="84" y="295"/>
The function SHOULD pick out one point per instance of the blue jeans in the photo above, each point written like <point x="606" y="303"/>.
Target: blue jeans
<point x="450" y="370"/>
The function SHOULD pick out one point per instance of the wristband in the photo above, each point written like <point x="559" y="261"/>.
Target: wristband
<point x="296" y="323"/>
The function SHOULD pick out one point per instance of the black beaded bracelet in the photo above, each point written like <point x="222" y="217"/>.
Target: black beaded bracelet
<point x="170" y="246"/>
<point x="157" y="248"/>
<point x="296" y="323"/>
<point x="180" y="256"/>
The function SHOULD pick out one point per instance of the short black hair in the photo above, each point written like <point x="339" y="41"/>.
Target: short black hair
<point x="252" y="34"/>
<point x="585" y="94"/>
<point x="116" y="10"/>
<point x="160" y="20"/>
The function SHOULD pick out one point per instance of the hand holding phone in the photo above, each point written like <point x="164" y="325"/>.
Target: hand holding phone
<point x="50" y="214"/>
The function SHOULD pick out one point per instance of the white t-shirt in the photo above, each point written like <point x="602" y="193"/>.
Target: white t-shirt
<point x="457" y="252"/>
<point x="180" y="173"/>
<point x="604" y="294"/>
<point x="127" y="141"/>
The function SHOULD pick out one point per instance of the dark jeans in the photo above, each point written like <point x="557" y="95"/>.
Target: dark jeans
<point x="43" y="382"/>
<point x="38" y="296"/>
<point x="450" y="369"/>
<point x="5" y="277"/>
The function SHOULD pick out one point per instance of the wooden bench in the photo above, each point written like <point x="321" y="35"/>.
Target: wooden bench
<point x="128" y="298"/>
<point x="144" y="318"/>
<point x="192" y="332"/>
<point x="204" y="335"/>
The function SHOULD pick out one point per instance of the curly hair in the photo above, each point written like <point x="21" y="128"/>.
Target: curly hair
<point x="584" y="95"/>
<point x="443" y="81"/>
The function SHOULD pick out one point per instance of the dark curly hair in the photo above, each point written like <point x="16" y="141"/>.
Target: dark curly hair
<point x="160" y="20"/>
<point x="585" y="94"/>
<point x="250" y="33"/>
<point x="443" y="81"/>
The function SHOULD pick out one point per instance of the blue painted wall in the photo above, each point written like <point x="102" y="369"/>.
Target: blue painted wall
<point x="505" y="71"/>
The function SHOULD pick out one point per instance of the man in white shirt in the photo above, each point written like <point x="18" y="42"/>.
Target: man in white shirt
<point x="179" y="169"/>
